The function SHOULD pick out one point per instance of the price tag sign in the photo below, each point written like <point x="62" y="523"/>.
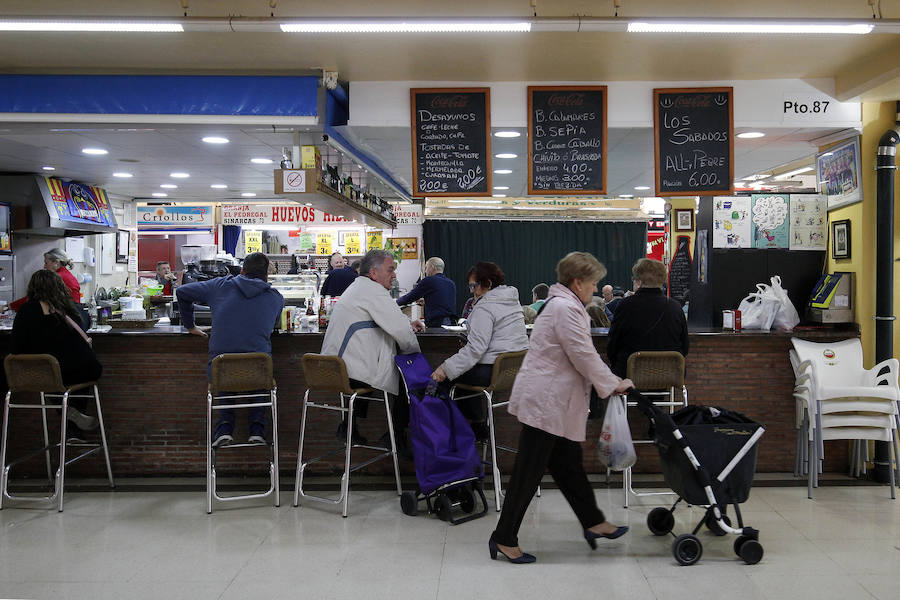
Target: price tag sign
<point x="351" y="242"/>
<point x="323" y="243"/>
<point x="253" y="241"/>
<point x="374" y="240"/>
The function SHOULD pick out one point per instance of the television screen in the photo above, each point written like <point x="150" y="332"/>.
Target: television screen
<point x="5" y="243"/>
<point x="79" y="203"/>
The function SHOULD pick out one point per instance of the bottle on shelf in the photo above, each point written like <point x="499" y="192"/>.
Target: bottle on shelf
<point x="323" y="316"/>
<point x="309" y="307"/>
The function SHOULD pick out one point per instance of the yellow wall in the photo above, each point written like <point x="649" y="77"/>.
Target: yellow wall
<point x="690" y="203"/>
<point x="877" y="118"/>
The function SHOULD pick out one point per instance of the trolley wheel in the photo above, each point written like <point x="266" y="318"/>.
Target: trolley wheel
<point x="409" y="503"/>
<point x="739" y="543"/>
<point x="660" y="521"/>
<point x="687" y="549"/>
<point x="751" y="552"/>
<point x="444" y="507"/>
<point x="467" y="500"/>
<point x="713" y="526"/>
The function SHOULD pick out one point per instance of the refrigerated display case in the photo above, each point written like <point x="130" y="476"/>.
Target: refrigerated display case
<point x="297" y="289"/>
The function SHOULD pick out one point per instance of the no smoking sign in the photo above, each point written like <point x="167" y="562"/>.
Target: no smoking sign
<point x="294" y="181"/>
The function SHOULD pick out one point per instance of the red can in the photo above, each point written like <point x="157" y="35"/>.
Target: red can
<point x="737" y="320"/>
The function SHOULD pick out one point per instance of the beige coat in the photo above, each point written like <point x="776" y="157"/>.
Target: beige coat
<point x="552" y="388"/>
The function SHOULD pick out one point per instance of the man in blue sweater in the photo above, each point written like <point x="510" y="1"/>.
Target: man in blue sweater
<point x="439" y="292"/>
<point x="244" y="312"/>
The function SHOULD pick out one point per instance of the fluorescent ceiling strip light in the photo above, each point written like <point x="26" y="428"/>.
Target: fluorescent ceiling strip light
<point x="406" y="26"/>
<point x="790" y="174"/>
<point x="90" y="26"/>
<point x="782" y="27"/>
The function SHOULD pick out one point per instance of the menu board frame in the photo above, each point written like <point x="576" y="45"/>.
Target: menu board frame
<point x="726" y="191"/>
<point x="413" y="94"/>
<point x="567" y="88"/>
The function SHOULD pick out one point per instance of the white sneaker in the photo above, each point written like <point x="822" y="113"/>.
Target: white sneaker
<point x="82" y="420"/>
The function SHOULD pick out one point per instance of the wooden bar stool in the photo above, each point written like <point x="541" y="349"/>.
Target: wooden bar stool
<point x="247" y="377"/>
<point x="39" y="373"/>
<point x="506" y="367"/>
<point x="328" y="374"/>
<point x="656" y="374"/>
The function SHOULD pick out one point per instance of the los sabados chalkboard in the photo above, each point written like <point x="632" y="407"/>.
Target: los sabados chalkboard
<point x="567" y="140"/>
<point x="693" y="141"/>
<point x="451" y="143"/>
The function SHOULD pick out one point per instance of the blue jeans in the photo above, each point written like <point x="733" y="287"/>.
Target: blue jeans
<point x="257" y="416"/>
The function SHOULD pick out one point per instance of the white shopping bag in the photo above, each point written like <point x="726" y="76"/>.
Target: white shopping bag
<point x="786" y="318"/>
<point x="616" y="447"/>
<point x="758" y="310"/>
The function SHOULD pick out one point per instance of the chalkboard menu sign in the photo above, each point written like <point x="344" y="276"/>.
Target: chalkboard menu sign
<point x="694" y="141"/>
<point x="680" y="271"/>
<point x="567" y="140"/>
<point x="451" y="143"/>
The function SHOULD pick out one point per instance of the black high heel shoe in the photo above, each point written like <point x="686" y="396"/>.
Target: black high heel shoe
<point x="591" y="537"/>
<point x="522" y="560"/>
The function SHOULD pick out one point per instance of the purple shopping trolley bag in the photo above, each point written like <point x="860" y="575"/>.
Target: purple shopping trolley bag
<point x="443" y="443"/>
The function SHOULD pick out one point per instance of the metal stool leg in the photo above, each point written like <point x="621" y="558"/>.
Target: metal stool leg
<point x="4" y="470"/>
<point x="274" y="473"/>
<point x="393" y="448"/>
<point x="210" y="465"/>
<point x="495" y="470"/>
<point x="109" y="474"/>
<point x="61" y="472"/>
<point x="46" y="439"/>
<point x="298" y="478"/>
<point x="345" y="479"/>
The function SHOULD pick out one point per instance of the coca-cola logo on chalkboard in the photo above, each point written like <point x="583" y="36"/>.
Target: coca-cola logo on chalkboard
<point x="457" y="101"/>
<point x="572" y="99"/>
<point x="699" y="101"/>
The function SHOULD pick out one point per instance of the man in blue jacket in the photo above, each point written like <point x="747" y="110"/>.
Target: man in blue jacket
<point x="244" y="312"/>
<point x="439" y="292"/>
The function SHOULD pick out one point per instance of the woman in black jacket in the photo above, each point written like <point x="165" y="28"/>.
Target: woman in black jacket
<point x="50" y="323"/>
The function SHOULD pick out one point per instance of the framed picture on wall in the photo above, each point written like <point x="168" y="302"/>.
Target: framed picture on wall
<point x="123" y="241"/>
<point x="684" y="219"/>
<point x="837" y="170"/>
<point x="840" y="239"/>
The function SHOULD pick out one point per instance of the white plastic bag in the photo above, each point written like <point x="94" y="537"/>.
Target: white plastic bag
<point x="758" y="310"/>
<point x="616" y="447"/>
<point x="786" y="318"/>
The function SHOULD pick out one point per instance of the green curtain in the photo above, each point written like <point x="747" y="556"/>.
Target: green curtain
<point x="527" y="251"/>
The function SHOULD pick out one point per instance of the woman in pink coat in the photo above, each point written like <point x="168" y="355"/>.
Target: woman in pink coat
<point x="550" y="399"/>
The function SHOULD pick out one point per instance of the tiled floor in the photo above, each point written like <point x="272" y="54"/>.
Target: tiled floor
<point x="845" y="544"/>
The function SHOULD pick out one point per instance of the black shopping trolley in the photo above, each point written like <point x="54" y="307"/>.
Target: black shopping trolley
<point x="694" y="443"/>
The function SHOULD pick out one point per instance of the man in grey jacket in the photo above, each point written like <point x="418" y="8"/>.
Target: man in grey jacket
<point x="366" y="329"/>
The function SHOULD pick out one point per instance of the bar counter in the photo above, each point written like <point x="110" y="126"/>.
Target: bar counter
<point x="153" y="394"/>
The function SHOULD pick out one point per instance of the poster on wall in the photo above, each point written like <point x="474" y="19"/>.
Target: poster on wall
<point x="809" y="222"/>
<point x="731" y="222"/>
<point x="837" y="170"/>
<point x="410" y="246"/>
<point x="770" y="220"/>
<point x="307" y="243"/>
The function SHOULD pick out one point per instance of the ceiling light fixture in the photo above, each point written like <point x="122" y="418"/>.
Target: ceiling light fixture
<point x="626" y="195"/>
<point x="749" y="135"/>
<point x="498" y="195"/>
<point x="179" y="175"/>
<point x="261" y="161"/>
<point x="123" y="175"/>
<point x="218" y="186"/>
<point x="89" y="26"/>
<point x="48" y="168"/>
<point x="758" y="26"/>
<point x="507" y="134"/>
<point x="168" y="186"/>
<point x="406" y="26"/>
<point x="506" y="155"/>
<point x="160" y="195"/>
<point x="502" y="171"/>
<point x="790" y="174"/>
<point x="248" y="194"/>
<point x="94" y="151"/>
<point x="501" y="187"/>
<point x="642" y="187"/>
<point x="212" y="139"/>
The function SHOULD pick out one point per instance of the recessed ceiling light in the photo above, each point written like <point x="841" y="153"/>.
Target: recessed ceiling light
<point x="642" y="187"/>
<point x="749" y="135"/>
<point x="168" y="186"/>
<point x="307" y="204"/>
<point x="626" y="195"/>
<point x="48" y="168"/>
<point x="218" y="186"/>
<point x="123" y="175"/>
<point x="160" y="195"/>
<point x="501" y="187"/>
<point x="507" y="134"/>
<point x="498" y="195"/>
<point x="248" y="194"/>
<point x="212" y="139"/>
<point x="261" y="161"/>
<point x="502" y="171"/>
<point x="506" y="155"/>
<point x="179" y="175"/>
<point x="94" y="151"/>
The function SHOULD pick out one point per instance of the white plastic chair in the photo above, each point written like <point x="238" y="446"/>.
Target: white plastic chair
<point x="843" y="400"/>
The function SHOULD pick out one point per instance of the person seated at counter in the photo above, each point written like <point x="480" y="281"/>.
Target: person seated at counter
<point x="165" y="277"/>
<point x="366" y="330"/>
<point x="439" y="293"/>
<point x="539" y="295"/>
<point x="244" y="311"/>
<point x="338" y="280"/>
<point x="49" y="322"/>
<point x="648" y="320"/>
<point x="335" y="261"/>
<point x="55" y="260"/>
<point x="495" y="326"/>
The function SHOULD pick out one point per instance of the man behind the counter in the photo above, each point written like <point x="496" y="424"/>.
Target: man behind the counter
<point x="165" y="277"/>
<point x="366" y="328"/>
<point x="244" y="312"/>
<point x="439" y="292"/>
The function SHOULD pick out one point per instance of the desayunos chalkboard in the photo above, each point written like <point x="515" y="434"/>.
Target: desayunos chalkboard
<point x="680" y="271"/>
<point x="694" y="141"/>
<point x="451" y="143"/>
<point x="567" y="139"/>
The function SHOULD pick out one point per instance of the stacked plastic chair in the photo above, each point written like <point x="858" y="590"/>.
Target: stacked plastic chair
<point x="839" y="399"/>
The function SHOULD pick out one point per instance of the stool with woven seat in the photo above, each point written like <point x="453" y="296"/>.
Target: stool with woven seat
<point x="247" y="378"/>
<point x="657" y="374"/>
<point x="40" y="373"/>
<point x="328" y="375"/>
<point x="506" y="367"/>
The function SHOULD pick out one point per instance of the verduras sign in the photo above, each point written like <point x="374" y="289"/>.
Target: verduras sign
<point x="262" y="215"/>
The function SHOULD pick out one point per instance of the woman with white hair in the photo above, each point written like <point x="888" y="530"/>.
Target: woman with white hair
<point x="56" y="260"/>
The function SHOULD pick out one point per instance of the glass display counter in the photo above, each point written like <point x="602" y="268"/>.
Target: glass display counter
<point x="297" y="289"/>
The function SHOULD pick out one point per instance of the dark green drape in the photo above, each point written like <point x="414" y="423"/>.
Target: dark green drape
<point x="527" y="251"/>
